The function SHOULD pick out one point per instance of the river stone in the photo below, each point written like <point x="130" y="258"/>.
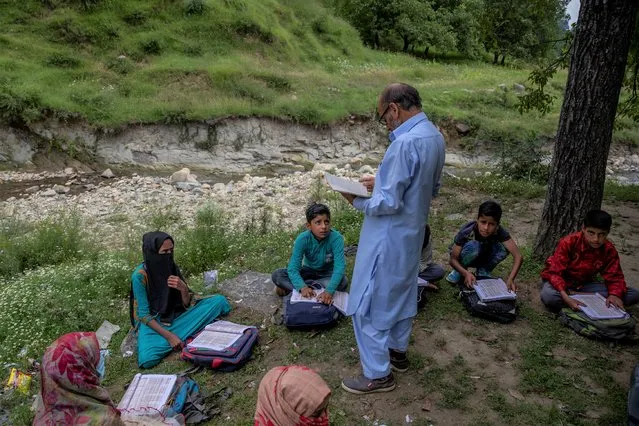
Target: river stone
<point x="180" y="176"/>
<point x="366" y="169"/>
<point x="49" y="193"/>
<point x="462" y="129"/>
<point x="455" y="216"/>
<point x="519" y="88"/>
<point x="218" y="187"/>
<point x="184" y="186"/>
<point x="107" y="174"/>
<point x="69" y="171"/>
<point x="59" y="189"/>
<point x="32" y="189"/>
<point x="322" y="167"/>
<point x="252" y="290"/>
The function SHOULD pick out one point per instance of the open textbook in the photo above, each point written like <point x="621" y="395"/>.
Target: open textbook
<point x="147" y="392"/>
<point x="346" y="185"/>
<point x="490" y="290"/>
<point x="340" y="299"/>
<point x="218" y="336"/>
<point x="596" y="307"/>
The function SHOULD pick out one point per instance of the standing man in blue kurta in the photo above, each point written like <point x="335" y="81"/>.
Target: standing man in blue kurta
<point x="383" y="297"/>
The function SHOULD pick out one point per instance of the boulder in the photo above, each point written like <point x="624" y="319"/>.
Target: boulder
<point x="180" y="176"/>
<point x="519" y="88"/>
<point x="108" y="174"/>
<point x="32" y="189"/>
<point x="60" y="189"/>
<point x="462" y="129"/>
<point x="49" y="193"/>
<point x="252" y="290"/>
<point x="366" y="169"/>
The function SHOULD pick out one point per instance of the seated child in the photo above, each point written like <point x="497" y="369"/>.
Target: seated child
<point x="578" y="259"/>
<point x="318" y="255"/>
<point x="483" y="244"/>
<point x="163" y="309"/>
<point x="292" y="395"/>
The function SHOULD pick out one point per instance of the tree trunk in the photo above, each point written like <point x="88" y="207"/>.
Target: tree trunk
<point x="406" y="43"/>
<point x="503" y="60"/>
<point x="495" y="58"/>
<point x="578" y="169"/>
<point x="426" y="52"/>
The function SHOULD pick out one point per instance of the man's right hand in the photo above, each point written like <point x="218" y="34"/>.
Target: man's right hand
<point x="307" y="292"/>
<point x="175" y="342"/>
<point x="368" y="181"/>
<point x="469" y="279"/>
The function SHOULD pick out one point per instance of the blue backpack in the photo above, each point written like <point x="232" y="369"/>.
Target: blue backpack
<point x="306" y="315"/>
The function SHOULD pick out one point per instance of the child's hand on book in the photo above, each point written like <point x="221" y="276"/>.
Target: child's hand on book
<point x="307" y="292"/>
<point x="469" y="279"/>
<point x="614" y="301"/>
<point x="325" y="298"/>
<point x="175" y="342"/>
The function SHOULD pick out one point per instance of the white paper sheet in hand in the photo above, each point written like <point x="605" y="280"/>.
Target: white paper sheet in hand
<point x="596" y="307"/>
<point x="493" y="289"/>
<point x="346" y="185"/>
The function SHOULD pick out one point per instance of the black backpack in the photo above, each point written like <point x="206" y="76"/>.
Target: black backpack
<point x="502" y="311"/>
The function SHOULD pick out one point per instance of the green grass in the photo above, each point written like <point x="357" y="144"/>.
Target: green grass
<point x="150" y="61"/>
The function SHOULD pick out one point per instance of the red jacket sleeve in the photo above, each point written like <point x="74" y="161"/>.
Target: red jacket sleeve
<point x="556" y="264"/>
<point x="612" y="273"/>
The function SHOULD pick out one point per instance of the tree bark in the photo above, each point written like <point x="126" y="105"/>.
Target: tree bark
<point x="426" y="52"/>
<point x="495" y="58"/>
<point x="406" y="43"/>
<point x="503" y="60"/>
<point x="595" y="76"/>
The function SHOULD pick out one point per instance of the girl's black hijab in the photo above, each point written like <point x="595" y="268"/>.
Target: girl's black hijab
<point x="163" y="300"/>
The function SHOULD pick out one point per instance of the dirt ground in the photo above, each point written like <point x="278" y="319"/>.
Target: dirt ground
<point x="464" y="370"/>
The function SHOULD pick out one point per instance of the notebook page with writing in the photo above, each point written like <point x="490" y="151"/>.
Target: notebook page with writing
<point x="148" y="391"/>
<point x="493" y="289"/>
<point x="596" y="307"/>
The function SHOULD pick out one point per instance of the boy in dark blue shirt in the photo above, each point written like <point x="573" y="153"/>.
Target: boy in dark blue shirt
<point x="318" y="255"/>
<point x="483" y="244"/>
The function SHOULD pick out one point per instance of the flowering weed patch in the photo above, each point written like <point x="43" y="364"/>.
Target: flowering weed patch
<point x="39" y="306"/>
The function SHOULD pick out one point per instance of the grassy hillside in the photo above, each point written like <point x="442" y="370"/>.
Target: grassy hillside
<point x="115" y="61"/>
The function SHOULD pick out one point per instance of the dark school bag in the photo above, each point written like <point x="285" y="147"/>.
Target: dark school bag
<point x="502" y="311"/>
<point x="633" y="398"/>
<point x="308" y="315"/>
<point x="603" y="329"/>
<point x="229" y="359"/>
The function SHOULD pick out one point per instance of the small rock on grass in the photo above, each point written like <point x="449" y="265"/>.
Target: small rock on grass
<point x="427" y="405"/>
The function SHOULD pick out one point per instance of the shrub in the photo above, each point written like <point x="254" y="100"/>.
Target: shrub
<point x="62" y="61"/>
<point x="18" y="108"/>
<point x="50" y="242"/>
<point x="195" y="7"/>
<point x="151" y="47"/>
<point x="121" y="65"/>
<point x="206" y="244"/>
<point x="524" y="160"/>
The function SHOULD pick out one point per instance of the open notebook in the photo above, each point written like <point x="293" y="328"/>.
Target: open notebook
<point x="218" y="336"/>
<point x="596" y="307"/>
<point x="147" y="392"/>
<point x="493" y="289"/>
<point x="340" y="299"/>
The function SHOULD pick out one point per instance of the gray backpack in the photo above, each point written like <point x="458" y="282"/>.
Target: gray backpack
<point x="603" y="329"/>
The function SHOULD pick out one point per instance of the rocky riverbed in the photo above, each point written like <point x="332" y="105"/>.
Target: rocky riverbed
<point x="111" y="206"/>
<point x="113" y="203"/>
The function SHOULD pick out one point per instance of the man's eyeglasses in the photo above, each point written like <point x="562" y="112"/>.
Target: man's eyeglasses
<point x="381" y="117"/>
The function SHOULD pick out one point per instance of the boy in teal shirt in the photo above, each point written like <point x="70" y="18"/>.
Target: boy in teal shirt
<point x="318" y="256"/>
